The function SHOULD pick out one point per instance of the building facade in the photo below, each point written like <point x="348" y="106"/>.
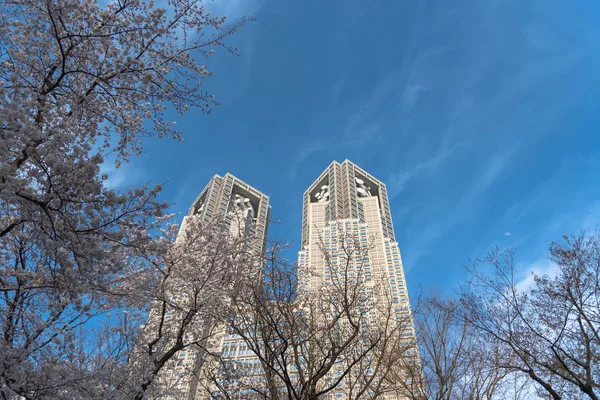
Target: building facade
<point x="246" y="211"/>
<point x="244" y="208"/>
<point x="345" y="193"/>
<point x="346" y="203"/>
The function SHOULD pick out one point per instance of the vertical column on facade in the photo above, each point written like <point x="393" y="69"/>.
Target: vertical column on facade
<point x="353" y="203"/>
<point x="386" y="214"/>
<point x="339" y="203"/>
<point x="305" y="205"/>
<point x="212" y="197"/>
<point x="345" y="198"/>
<point x="262" y="219"/>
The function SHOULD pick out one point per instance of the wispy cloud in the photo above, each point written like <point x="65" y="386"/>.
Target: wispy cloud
<point x="569" y="222"/>
<point x="467" y="203"/>
<point x="527" y="273"/>
<point x="234" y="9"/>
<point x="411" y="94"/>
<point x="118" y="178"/>
<point x="363" y="113"/>
<point x="190" y="187"/>
<point x="491" y="171"/>
<point x="398" y="180"/>
<point x="306" y="150"/>
<point x="559" y="187"/>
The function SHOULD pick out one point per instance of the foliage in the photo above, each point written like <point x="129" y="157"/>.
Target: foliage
<point x="80" y="80"/>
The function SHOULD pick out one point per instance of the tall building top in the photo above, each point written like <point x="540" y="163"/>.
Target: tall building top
<point x="239" y="204"/>
<point x="339" y="189"/>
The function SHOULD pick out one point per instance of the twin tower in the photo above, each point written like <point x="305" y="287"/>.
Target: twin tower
<point x="343" y="198"/>
<point x="343" y="194"/>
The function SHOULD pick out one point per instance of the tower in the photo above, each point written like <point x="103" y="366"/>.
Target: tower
<point x="346" y="204"/>
<point x="245" y="211"/>
<point x="345" y="193"/>
<point x="349" y="256"/>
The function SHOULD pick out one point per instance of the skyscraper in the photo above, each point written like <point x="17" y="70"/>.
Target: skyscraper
<point x="348" y="242"/>
<point x="348" y="194"/>
<point x="346" y="202"/>
<point x="246" y="212"/>
<point x="245" y="209"/>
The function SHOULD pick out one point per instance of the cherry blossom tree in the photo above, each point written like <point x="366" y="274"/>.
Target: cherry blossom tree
<point x="81" y="80"/>
<point x="457" y="361"/>
<point x="548" y="332"/>
<point x="195" y="276"/>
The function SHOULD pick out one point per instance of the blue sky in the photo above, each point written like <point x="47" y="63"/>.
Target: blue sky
<point x="482" y="117"/>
